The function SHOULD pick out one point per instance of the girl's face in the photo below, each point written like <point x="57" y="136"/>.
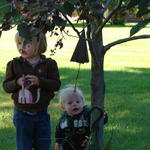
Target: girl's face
<point x="73" y="105"/>
<point x="28" y="50"/>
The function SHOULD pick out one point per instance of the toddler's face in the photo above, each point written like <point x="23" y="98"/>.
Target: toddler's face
<point x="73" y="105"/>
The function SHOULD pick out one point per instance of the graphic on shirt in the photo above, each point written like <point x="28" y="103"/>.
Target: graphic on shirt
<point x="64" y="124"/>
<point x="25" y="96"/>
<point x="80" y="123"/>
<point x="76" y="124"/>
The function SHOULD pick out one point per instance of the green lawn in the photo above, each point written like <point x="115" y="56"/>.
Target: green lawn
<point x="127" y="89"/>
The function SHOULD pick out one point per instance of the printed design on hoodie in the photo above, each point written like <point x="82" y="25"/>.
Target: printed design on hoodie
<point x="25" y="96"/>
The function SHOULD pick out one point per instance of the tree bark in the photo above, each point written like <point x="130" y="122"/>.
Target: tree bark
<point x="97" y="86"/>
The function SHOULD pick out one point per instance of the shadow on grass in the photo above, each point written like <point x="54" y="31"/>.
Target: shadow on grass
<point x="126" y="100"/>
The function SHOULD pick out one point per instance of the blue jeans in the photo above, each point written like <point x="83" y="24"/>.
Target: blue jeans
<point x="32" y="131"/>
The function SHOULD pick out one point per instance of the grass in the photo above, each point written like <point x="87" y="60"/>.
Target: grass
<point x="127" y="89"/>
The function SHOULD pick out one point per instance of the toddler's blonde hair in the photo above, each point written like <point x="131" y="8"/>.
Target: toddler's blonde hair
<point x="67" y="92"/>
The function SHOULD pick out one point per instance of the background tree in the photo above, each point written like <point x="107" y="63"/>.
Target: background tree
<point x="121" y="16"/>
<point x="4" y="6"/>
<point x="51" y="15"/>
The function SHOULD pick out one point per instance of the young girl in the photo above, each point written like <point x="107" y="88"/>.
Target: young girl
<point x="32" y="79"/>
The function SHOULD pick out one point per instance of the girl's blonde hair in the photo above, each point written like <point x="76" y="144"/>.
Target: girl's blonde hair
<point x="67" y="92"/>
<point x="41" y="42"/>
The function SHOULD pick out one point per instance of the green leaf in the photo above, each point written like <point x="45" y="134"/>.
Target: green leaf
<point x="4" y="7"/>
<point x="24" y="31"/>
<point x="139" y="26"/>
<point x="73" y="1"/>
<point x="132" y="3"/>
<point x="69" y="8"/>
<point x="59" y="21"/>
<point x="59" y="8"/>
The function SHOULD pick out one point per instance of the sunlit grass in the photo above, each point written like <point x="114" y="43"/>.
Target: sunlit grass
<point x="127" y="88"/>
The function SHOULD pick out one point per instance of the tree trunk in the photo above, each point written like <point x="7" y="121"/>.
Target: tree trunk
<point x="97" y="86"/>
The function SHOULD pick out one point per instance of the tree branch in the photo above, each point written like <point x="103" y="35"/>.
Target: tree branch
<point x="108" y="17"/>
<point x="73" y="27"/>
<point x="108" y="46"/>
<point x="107" y="5"/>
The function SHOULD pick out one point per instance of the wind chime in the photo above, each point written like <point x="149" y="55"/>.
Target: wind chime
<point x="80" y="54"/>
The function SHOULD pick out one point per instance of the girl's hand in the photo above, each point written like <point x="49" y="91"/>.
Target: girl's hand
<point x="32" y="79"/>
<point x="21" y="81"/>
